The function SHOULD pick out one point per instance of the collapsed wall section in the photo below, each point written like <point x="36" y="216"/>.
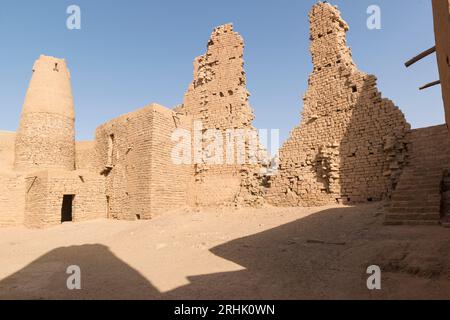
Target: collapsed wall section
<point x="218" y="99"/>
<point x="134" y="154"/>
<point x="351" y="143"/>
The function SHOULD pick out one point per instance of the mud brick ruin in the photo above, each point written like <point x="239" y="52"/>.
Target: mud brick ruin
<point x="352" y="145"/>
<point x="218" y="99"/>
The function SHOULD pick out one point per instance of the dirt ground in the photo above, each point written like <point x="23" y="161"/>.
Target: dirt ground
<point x="268" y="253"/>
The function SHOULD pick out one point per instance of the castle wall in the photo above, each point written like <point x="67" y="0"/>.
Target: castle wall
<point x="351" y="143"/>
<point x="46" y="135"/>
<point x="45" y="191"/>
<point x="134" y="153"/>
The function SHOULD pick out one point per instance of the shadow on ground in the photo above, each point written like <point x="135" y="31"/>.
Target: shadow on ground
<point x="322" y="256"/>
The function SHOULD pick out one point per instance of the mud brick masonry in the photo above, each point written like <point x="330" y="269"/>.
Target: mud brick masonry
<point x="352" y="145"/>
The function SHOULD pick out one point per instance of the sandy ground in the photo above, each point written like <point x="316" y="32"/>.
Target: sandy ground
<point x="269" y="253"/>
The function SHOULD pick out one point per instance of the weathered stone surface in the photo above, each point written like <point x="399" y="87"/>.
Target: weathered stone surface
<point x="351" y="143"/>
<point x="218" y="98"/>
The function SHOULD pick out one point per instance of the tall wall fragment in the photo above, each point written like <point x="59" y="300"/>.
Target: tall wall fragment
<point x="218" y="99"/>
<point x="351" y="143"/>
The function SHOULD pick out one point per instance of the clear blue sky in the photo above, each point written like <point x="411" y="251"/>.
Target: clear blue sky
<point x="131" y="53"/>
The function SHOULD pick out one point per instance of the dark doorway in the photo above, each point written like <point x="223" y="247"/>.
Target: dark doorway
<point x="66" y="210"/>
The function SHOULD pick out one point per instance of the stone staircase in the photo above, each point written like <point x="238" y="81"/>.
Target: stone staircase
<point x="420" y="195"/>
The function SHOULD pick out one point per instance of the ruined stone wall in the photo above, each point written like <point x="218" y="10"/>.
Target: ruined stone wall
<point x="85" y="155"/>
<point x="45" y="191"/>
<point x="441" y="13"/>
<point x="12" y="199"/>
<point x="7" y="141"/>
<point x="134" y="153"/>
<point x="351" y="143"/>
<point x="218" y="99"/>
<point x="46" y="135"/>
<point x="417" y="197"/>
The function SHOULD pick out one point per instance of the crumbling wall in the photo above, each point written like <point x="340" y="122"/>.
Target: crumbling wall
<point x="45" y="191"/>
<point x="218" y="99"/>
<point x="134" y="153"/>
<point x="12" y="194"/>
<point x="351" y="143"/>
<point x="46" y="135"/>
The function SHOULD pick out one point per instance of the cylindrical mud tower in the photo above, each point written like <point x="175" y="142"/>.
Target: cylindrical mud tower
<point x="46" y="135"/>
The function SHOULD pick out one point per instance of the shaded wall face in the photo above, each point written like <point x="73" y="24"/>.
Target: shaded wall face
<point x="46" y="134"/>
<point x="134" y="153"/>
<point x="441" y="13"/>
<point x="351" y="143"/>
<point x="45" y="193"/>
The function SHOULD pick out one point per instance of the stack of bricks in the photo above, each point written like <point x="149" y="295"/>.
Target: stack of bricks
<point x="219" y="99"/>
<point x="351" y="144"/>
